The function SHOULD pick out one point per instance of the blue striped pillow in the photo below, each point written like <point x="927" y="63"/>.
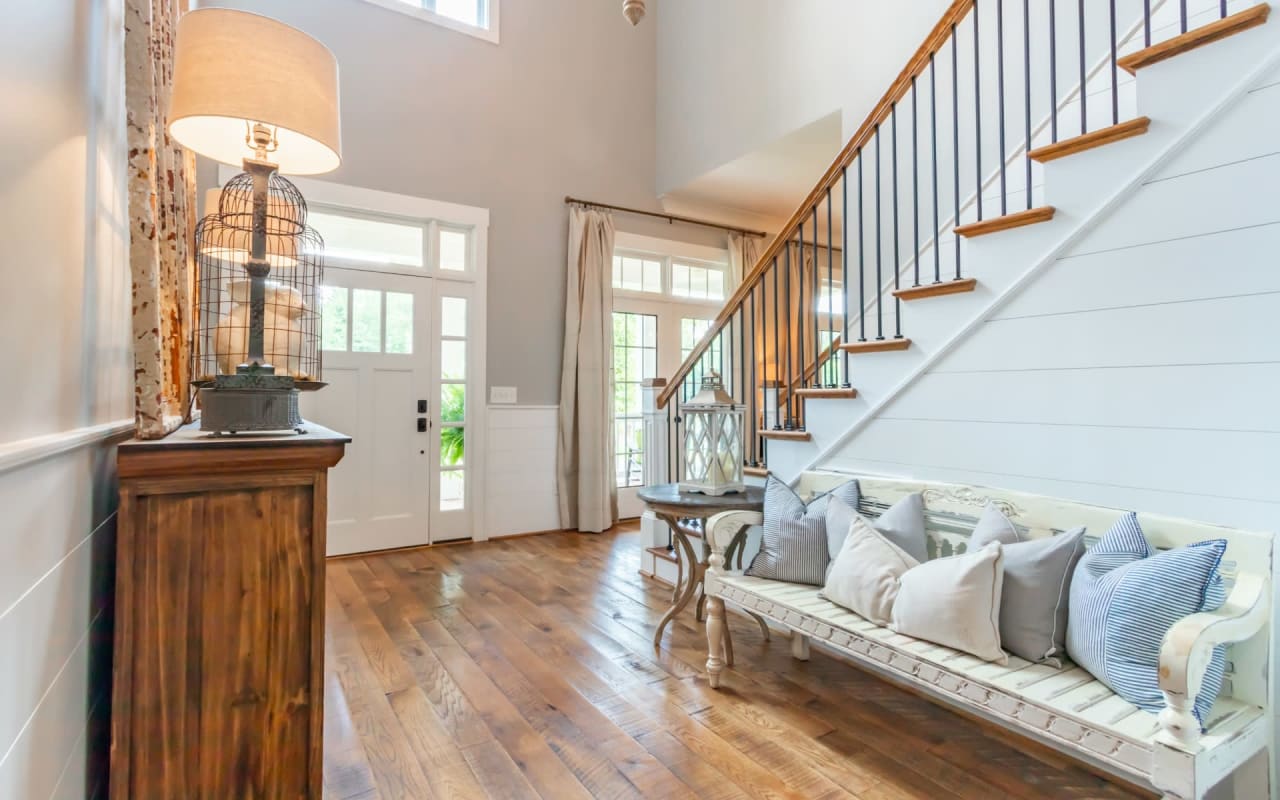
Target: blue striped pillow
<point x="1124" y="600"/>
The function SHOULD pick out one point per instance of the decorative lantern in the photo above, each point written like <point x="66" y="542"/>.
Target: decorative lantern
<point x="712" y="441"/>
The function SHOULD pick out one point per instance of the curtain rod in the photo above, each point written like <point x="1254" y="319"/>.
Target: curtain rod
<point x="667" y="217"/>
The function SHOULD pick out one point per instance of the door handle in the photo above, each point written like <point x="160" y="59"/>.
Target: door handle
<point x="422" y="424"/>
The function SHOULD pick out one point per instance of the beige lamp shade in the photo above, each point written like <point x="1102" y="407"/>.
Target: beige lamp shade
<point x="234" y="242"/>
<point x="232" y="68"/>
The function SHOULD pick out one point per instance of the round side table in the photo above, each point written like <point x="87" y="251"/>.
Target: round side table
<point x="678" y="509"/>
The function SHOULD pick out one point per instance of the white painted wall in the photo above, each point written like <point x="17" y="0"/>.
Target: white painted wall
<point x="564" y="104"/>
<point x="64" y="322"/>
<point x="520" y="470"/>
<point x="1140" y="371"/>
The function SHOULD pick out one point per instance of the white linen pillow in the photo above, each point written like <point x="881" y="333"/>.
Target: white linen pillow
<point x="955" y="601"/>
<point x="864" y="576"/>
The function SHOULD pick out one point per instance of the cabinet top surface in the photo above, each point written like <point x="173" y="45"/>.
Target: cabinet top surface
<point x="191" y="437"/>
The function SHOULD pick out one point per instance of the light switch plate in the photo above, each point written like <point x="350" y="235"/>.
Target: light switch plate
<point x="502" y="394"/>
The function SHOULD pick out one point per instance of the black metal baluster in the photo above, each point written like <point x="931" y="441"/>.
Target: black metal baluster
<point x="915" y="184"/>
<point x="800" y="312"/>
<point x="831" y="316"/>
<point x="897" y="249"/>
<point x="1026" y="61"/>
<point x="1084" y="95"/>
<point x="1053" y="71"/>
<point x="1003" y="155"/>
<point x="955" y="142"/>
<point x="1146" y="23"/>
<point x="789" y="382"/>
<point x="844" y="269"/>
<point x="1222" y="9"/>
<point x="753" y="404"/>
<point x="933" y="133"/>
<point x="777" y="353"/>
<point x="812" y="303"/>
<point x="862" y="262"/>
<point x="1115" y="87"/>
<point x="977" y="115"/>
<point x="879" y="256"/>
<point x="1182" y="16"/>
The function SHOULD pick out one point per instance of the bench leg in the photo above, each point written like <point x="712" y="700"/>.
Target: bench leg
<point x="799" y="646"/>
<point x="715" y="640"/>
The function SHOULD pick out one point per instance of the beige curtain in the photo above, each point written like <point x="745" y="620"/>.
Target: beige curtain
<point x="584" y="467"/>
<point x="161" y="221"/>
<point x="744" y="252"/>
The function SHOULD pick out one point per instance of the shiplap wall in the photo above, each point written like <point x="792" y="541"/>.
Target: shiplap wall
<point x="67" y="362"/>
<point x="1141" y="370"/>
<point x="521" y="470"/>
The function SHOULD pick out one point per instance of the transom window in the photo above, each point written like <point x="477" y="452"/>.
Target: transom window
<point x="475" y="17"/>
<point x="662" y="275"/>
<point x="384" y="242"/>
<point x="637" y="274"/>
<point x="697" y="281"/>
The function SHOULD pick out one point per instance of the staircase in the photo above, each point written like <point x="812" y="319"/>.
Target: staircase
<point x="1015" y="129"/>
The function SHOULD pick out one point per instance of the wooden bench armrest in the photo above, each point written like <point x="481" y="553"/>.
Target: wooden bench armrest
<point x="1188" y="647"/>
<point x="725" y="535"/>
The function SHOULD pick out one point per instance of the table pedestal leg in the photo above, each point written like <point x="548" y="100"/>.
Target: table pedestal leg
<point x="691" y="583"/>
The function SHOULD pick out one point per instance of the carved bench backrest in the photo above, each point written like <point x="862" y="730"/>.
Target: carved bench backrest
<point x="952" y="510"/>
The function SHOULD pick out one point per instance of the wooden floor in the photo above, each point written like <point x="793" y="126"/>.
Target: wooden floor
<point x="524" y="668"/>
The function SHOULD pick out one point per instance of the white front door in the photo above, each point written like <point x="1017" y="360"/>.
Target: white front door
<point x="377" y="361"/>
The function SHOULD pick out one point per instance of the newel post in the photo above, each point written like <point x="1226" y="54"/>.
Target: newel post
<point x="653" y="531"/>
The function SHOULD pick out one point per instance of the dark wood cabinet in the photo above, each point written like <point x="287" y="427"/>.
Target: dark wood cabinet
<point x="219" y="630"/>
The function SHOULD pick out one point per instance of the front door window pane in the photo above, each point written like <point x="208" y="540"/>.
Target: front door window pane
<point x="453" y="402"/>
<point x="399" y="323"/>
<point x="453" y="360"/>
<point x="366" y="320"/>
<point x="333" y="314"/>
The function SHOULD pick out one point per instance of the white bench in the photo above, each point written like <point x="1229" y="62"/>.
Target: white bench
<point x="1065" y="708"/>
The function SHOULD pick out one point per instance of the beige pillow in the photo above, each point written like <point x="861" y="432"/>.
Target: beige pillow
<point x="955" y="601"/>
<point x="864" y="576"/>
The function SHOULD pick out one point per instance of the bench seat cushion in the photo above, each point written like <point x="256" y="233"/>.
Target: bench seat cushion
<point x="1064" y="702"/>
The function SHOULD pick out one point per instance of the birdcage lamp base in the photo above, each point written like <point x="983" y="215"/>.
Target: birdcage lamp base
<point x="247" y="403"/>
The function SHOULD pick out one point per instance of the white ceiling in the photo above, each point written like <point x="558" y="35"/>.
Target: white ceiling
<point x="764" y="186"/>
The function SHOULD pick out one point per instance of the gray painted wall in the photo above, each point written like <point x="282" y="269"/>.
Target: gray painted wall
<point x="734" y="75"/>
<point x="565" y="104"/>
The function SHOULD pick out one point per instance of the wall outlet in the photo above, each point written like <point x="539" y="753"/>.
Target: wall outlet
<point x="502" y="394"/>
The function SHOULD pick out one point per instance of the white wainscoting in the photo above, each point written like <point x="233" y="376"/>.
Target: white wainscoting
<point x="57" y="541"/>
<point x="521" y="470"/>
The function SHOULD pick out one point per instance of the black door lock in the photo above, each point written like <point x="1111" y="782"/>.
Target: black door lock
<point x="422" y="424"/>
<point x="422" y="406"/>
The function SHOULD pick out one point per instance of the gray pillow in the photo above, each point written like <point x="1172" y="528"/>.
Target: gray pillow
<point x="1037" y="585"/>
<point x="902" y="524"/>
<point x="793" y="544"/>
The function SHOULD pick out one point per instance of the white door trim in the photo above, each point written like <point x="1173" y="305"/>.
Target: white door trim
<point x="454" y="215"/>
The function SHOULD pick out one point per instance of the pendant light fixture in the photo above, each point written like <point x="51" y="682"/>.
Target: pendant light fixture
<point x="633" y="10"/>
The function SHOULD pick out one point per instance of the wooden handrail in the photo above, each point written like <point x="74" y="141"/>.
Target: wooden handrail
<point x="897" y="90"/>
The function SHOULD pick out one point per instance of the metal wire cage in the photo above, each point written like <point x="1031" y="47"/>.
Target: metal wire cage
<point x="291" y="319"/>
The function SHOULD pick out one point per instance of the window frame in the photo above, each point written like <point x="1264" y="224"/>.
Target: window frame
<point x="489" y="12"/>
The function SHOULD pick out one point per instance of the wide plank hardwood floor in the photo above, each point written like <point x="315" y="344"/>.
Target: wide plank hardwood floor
<point x="524" y="668"/>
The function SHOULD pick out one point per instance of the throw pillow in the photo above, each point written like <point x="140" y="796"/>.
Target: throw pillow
<point x="864" y="576"/>
<point x="1037" y="583"/>
<point x="902" y="524"/>
<point x="955" y="601"/>
<point x="1123" y="602"/>
<point x="793" y="544"/>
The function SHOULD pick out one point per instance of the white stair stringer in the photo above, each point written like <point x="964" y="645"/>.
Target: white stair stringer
<point x="1182" y="96"/>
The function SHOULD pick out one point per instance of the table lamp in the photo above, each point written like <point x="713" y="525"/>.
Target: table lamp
<point x="250" y="89"/>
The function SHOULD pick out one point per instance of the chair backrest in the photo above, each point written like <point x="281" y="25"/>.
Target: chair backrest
<point x="952" y="510"/>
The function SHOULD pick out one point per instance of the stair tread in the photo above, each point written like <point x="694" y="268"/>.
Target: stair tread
<point x="1003" y="223"/>
<point x="876" y="346"/>
<point x="1098" y="138"/>
<point x="1206" y="34"/>
<point x="756" y="472"/>
<point x="797" y="436"/>
<point x="936" y="289"/>
<point x="828" y="392"/>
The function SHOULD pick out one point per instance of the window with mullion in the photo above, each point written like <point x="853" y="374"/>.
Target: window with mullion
<point x="635" y="357"/>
